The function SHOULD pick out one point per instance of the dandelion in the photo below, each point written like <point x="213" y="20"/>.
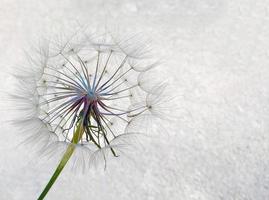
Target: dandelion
<point x="87" y="92"/>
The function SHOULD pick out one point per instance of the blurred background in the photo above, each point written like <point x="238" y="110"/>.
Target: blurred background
<point x="216" y="53"/>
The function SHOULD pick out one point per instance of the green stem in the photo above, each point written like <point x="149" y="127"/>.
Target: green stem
<point x="67" y="155"/>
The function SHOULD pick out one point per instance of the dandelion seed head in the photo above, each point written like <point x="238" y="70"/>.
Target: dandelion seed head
<point x="101" y="81"/>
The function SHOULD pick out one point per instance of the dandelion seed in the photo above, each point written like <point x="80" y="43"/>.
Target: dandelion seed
<point x="86" y="96"/>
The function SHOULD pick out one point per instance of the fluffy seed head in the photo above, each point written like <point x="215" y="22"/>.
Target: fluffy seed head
<point x="99" y="81"/>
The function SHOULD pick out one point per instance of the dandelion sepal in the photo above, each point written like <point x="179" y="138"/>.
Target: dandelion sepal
<point x="67" y="155"/>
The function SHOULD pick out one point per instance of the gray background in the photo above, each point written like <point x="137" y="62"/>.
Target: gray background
<point x="216" y="52"/>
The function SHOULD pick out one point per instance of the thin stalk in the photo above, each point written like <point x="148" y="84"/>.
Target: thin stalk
<point x="67" y="155"/>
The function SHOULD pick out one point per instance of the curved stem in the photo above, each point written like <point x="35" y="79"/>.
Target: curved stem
<point x="67" y="155"/>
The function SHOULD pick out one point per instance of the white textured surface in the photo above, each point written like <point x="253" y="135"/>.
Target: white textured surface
<point x="218" y="54"/>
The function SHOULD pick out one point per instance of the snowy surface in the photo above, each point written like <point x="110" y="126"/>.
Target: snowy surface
<point x="217" y="53"/>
